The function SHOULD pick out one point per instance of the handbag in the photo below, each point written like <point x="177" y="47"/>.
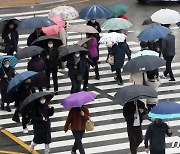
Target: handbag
<point x="89" y="125"/>
<point x="110" y="59"/>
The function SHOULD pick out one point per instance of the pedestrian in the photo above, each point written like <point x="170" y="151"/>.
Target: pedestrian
<point x="35" y="35"/>
<point x="24" y="91"/>
<point x="154" y="45"/>
<point x="168" y="51"/>
<point x="37" y="64"/>
<point x="76" y="65"/>
<point x="41" y="124"/>
<point x="50" y="56"/>
<point x="133" y="112"/>
<point x="155" y="137"/>
<point x="93" y="54"/>
<point x="11" y="37"/>
<point x="77" y="118"/>
<point x="6" y="75"/>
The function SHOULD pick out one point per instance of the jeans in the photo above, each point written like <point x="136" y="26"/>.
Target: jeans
<point x="168" y="70"/>
<point x="54" y="75"/>
<point x="78" y="143"/>
<point x="152" y="151"/>
<point x="76" y="85"/>
<point x="46" y="151"/>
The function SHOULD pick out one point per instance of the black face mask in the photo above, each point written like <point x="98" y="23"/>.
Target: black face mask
<point x="28" y="84"/>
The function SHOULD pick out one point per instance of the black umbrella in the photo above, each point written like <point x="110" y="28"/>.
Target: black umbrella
<point x="28" y="103"/>
<point x="143" y="63"/>
<point x="28" y="52"/>
<point x="147" y="21"/>
<point x="133" y="93"/>
<point x="71" y="49"/>
<point x="43" y="41"/>
<point x="35" y="22"/>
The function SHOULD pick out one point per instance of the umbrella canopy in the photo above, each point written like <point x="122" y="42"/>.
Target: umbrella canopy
<point x="143" y="63"/>
<point x="116" y="24"/>
<point x="71" y="49"/>
<point x="133" y="93"/>
<point x="119" y="9"/>
<point x="147" y="21"/>
<point x="82" y="29"/>
<point x="16" y="82"/>
<point x="43" y="41"/>
<point x="112" y="38"/>
<point x="145" y="53"/>
<point x="28" y="52"/>
<point x="153" y="33"/>
<point x="13" y="60"/>
<point x="165" y="110"/>
<point x="84" y="40"/>
<point x="35" y="22"/>
<point x="64" y="12"/>
<point x="95" y="12"/>
<point x="28" y="103"/>
<point x="58" y="21"/>
<point x="78" y="99"/>
<point x="166" y="16"/>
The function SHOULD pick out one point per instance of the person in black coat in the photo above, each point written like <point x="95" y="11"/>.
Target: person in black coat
<point x="50" y="56"/>
<point x="41" y="124"/>
<point x="33" y="36"/>
<point x="11" y="37"/>
<point x="133" y="112"/>
<point x="76" y="65"/>
<point x="24" y="91"/>
<point x="6" y="75"/>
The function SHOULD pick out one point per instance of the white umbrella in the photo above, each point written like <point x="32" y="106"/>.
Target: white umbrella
<point x="112" y="38"/>
<point x="166" y="16"/>
<point x="81" y="29"/>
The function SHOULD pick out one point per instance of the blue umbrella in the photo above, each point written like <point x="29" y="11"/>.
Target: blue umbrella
<point x="13" y="60"/>
<point x="153" y="33"/>
<point x="35" y="22"/>
<point x="15" y="83"/>
<point x="95" y="12"/>
<point x="165" y="110"/>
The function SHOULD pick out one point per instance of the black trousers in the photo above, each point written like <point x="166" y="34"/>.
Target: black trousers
<point x="168" y="70"/>
<point x="9" y="49"/>
<point x="118" y="73"/>
<point x="86" y="77"/>
<point x="26" y="117"/>
<point x="95" y="63"/>
<point x="152" y="151"/>
<point x="76" y="85"/>
<point x="78" y="135"/>
<point x="54" y="76"/>
<point x="135" y="137"/>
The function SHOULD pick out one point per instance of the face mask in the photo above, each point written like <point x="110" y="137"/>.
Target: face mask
<point x="50" y="45"/>
<point x="28" y="84"/>
<point x="43" y="101"/>
<point x="6" y="65"/>
<point x="77" y="55"/>
<point x="93" y="21"/>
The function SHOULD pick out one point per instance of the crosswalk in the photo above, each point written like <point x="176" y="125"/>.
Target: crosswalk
<point x="109" y="135"/>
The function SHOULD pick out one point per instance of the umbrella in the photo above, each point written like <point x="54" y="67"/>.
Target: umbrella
<point x="16" y="82"/>
<point x="78" y="99"/>
<point x="147" y="21"/>
<point x="58" y="21"/>
<point x="43" y="41"/>
<point x="133" y="93"/>
<point x="84" y="40"/>
<point x="82" y="29"/>
<point x="64" y="12"/>
<point x="29" y="101"/>
<point x="13" y="60"/>
<point x="166" y="16"/>
<point x="165" y="110"/>
<point x="71" y="49"/>
<point x="35" y="22"/>
<point x="95" y="12"/>
<point x="112" y="38"/>
<point x="143" y="63"/>
<point x="145" y="53"/>
<point x="116" y="24"/>
<point x="28" y="52"/>
<point x="119" y="9"/>
<point x="153" y="33"/>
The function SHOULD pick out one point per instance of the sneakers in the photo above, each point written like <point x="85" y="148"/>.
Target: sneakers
<point x="119" y="82"/>
<point x="8" y="109"/>
<point x="172" y="80"/>
<point x="25" y="131"/>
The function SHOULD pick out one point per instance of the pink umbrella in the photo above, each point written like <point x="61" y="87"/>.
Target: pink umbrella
<point x="58" y="21"/>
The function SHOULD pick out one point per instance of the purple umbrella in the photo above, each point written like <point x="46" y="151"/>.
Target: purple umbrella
<point x="78" y="99"/>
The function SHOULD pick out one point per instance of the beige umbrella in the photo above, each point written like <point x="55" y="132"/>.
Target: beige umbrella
<point x="82" y="29"/>
<point x="85" y="40"/>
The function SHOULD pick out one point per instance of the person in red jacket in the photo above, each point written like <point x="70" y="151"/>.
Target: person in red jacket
<point x="77" y="118"/>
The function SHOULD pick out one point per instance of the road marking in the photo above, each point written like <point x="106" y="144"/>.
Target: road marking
<point x="14" y="138"/>
<point x="10" y="152"/>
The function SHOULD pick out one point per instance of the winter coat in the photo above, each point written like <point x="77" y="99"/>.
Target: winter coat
<point x="93" y="51"/>
<point x="42" y="129"/>
<point x="156" y="135"/>
<point x="130" y="108"/>
<point x="37" y="64"/>
<point x="77" y="122"/>
<point x="81" y="66"/>
<point x="33" y="36"/>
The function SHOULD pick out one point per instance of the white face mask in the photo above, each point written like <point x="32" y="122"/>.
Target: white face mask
<point x="50" y="45"/>
<point x="93" y="21"/>
<point x="43" y="101"/>
<point x="77" y="54"/>
<point x="7" y="65"/>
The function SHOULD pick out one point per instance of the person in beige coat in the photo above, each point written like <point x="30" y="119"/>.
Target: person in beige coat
<point x="137" y="78"/>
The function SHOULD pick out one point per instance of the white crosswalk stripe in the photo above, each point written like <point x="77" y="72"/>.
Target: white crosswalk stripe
<point x="110" y="134"/>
